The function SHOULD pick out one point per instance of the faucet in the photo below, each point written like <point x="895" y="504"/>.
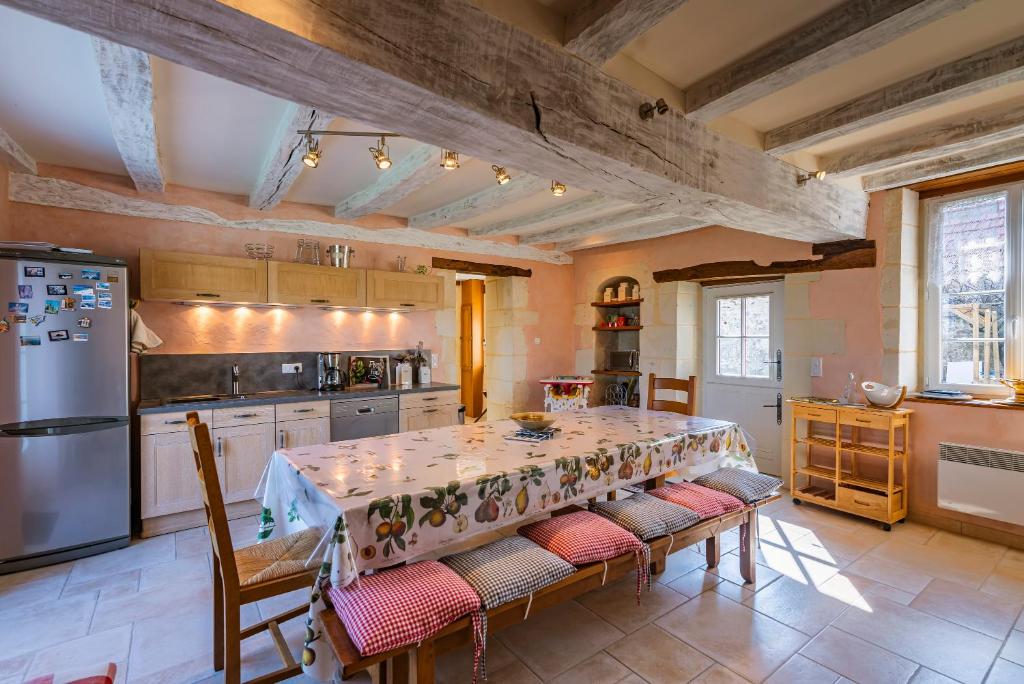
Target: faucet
<point x="234" y="379"/>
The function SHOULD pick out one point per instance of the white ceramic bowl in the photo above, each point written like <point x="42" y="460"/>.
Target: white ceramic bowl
<point x="881" y="395"/>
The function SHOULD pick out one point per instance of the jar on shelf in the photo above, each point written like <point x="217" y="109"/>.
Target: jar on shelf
<point x="623" y="291"/>
<point x="608" y="294"/>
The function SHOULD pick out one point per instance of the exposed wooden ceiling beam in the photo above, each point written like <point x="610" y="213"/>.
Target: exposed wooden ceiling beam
<point x="658" y="229"/>
<point x="531" y="105"/>
<point x="494" y="197"/>
<point x="16" y="159"/>
<point x="541" y="220"/>
<point x="622" y="220"/>
<point x="416" y="170"/>
<point x="973" y="74"/>
<point x="852" y="254"/>
<point x="971" y="160"/>
<point x="847" y="31"/>
<point x="991" y="126"/>
<point x="601" y="28"/>
<point x="127" y="78"/>
<point x="283" y="162"/>
<point x="494" y="270"/>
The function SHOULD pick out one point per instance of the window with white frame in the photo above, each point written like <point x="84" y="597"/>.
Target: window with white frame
<point x="974" y="280"/>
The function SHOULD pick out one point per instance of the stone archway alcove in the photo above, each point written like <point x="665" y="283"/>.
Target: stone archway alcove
<point x="617" y="326"/>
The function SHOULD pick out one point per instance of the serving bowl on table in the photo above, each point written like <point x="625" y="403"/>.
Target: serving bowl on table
<point x="884" y="396"/>
<point x="534" y="420"/>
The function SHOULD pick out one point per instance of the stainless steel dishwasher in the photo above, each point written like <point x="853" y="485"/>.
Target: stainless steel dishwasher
<point x="356" y="418"/>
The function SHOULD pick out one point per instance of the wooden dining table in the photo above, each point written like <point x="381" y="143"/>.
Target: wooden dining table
<point x="382" y="501"/>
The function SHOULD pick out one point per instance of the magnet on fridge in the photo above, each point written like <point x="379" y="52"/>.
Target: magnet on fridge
<point x="84" y="322"/>
<point x="57" y="290"/>
<point x="35" y="272"/>
<point x="82" y="291"/>
<point x="90" y="274"/>
<point x="67" y="304"/>
<point x="102" y="286"/>
<point x="4" y="325"/>
<point x="58" y="335"/>
<point x="106" y="304"/>
<point x="87" y="304"/>
<point x="80" y="337"/>
<point x="37" y="320"/>
<point x="16" y="318"/>
<point x="65" y="276"/>
<point x="111" y="278"/>
<point x="24" y="292"/>
<point x="52" y="306"/>
<point x="29" y="341"/>
<point x="17" y="307"/>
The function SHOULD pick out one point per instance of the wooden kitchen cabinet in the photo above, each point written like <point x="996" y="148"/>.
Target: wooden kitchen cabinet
<point x="242" y="453"/>
<point x="168" y="475"/>
<point x="180" y="276"/>
<point x="291" y="283"/>
<point x="398" y="290"/>
<point x="305" y="432"/>
<point x="424" y="418"/>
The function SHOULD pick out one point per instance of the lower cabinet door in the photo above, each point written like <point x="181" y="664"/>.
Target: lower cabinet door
<point x="305" y="432"/>
<point x="242" y="453"/>
<point x="169" y="483"/>
<point x="427" y="418"/>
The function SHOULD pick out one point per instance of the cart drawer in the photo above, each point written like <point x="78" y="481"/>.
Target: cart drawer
<point x="865" y="419"/>
<point x="860" y="502"/>
<point x="814" y="413"/>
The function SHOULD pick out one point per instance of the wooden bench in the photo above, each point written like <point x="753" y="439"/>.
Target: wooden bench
<point x="586" y="578"/>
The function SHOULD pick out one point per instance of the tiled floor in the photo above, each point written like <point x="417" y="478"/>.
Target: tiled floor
<point x="837" y="600"/>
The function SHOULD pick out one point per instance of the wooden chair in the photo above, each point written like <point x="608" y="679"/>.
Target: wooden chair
<point x="248" y="574"/>
<point x="689" y="386"/>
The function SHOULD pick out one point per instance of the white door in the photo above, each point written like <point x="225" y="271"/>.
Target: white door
<point x="742" y="352"/>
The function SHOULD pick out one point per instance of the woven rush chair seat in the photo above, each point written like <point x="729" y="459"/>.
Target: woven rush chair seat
<point x="745" y="485"/>
<point x="508" y="569"/>
<point x="276" y="558"/>
<point x="705" y="502"/>
<point x="584" y="537"/>
<point x="646" y="516"/>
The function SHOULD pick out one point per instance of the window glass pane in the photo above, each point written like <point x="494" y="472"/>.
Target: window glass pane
<point x="971" y="266"/>
<point x="756" y="352"/>
<point x="755" y="315"/>
<point x="729" y="317"/>
<point x="730" y="356"/>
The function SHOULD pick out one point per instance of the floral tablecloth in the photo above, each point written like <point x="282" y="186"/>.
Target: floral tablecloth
<point x="385" y="500"/>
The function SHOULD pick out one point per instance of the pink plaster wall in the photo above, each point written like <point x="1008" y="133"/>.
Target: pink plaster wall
<point x="5" y="207"/>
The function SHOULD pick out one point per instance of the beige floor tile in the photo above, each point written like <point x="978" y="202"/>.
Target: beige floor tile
<point x="743" y="640"/>
<point x="797" y="566"/>
<point x="116" y="584"/>
<point x="41" y="625"/>
<point x="889" y="572"/>
<point x="172" y="599"/>
<point x="659" y="657"/>
<point x="912" y="532"/>
<point x="733" y="592"/>
<point x="193" y="541"/>
<point x="695" y="582"/>
<point x="729" y="569"/>
<point x="1005" y="672"/>
<point x="195" y="568"/>
<point x="857" y="659"/>
<point x="958" y="543"/>
<point x="832" y="544"/>
<point x="110" y="646"/>
<point x="679" y="563"/>
<point x="159" y="645"/>
<point x="977" y="610"/>
<point x="1008" y="577"/>
<point x="1020" y="621"/>
<point x="243" y="531"/>
<point x="456" y="667"/>
<point x="926" y="676"/>
<point x="1014" y="648"/>
<point x="32" y="586"/>
<point x="803" y="607"/>
<point x="556" y="639"/>
<point x="598" y="669"/>
<point x="276" y="605"/>
<point x="195" y="669"/>
<point x="14" y="667"/>
<point x="633" y="678"/>
<point x="970" y="569"/>
<point x="718" y="674"/>
<point x="947" y="648"/>
<point x="140" y="554"/>
<point x="801" y="670"/>
<point x="617" y="603"/>
<point x="877" y="590"/>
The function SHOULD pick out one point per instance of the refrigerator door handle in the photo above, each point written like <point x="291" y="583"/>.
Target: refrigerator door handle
<point x="53" y="428"/>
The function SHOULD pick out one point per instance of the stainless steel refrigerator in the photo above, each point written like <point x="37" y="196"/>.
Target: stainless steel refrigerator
<point x="64" y="428"/>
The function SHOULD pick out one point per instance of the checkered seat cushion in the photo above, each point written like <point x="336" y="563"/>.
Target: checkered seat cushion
<point x="646" y="516"/>
<point x="583" y="537"/>
<point x="404" y="606"/>
<point x="705" y="502"/>
<point x="508" y="569"/>
<point x="745" y="485"/>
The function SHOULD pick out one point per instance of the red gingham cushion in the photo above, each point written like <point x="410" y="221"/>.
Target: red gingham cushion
<point x="705" y="502"/>
<point x="585" y="537"/>
<point x="99" y="674"/>
<point x="402" y="606"/>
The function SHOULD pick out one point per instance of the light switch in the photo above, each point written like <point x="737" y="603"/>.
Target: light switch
<point x="536" y="340"/>
<point x="816" y="367"/>
<point x="433" y="360"/>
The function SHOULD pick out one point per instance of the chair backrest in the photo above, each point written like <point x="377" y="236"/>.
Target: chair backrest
<point x="689" y="386"/>
<point x="213" y="500"/>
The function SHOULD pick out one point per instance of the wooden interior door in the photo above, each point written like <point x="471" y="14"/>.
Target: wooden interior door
<point x="471" y="352"/>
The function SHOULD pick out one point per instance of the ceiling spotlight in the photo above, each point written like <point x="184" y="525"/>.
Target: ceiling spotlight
<point x="500" y="174"/>
<point x="380" y="154"/>
<point x="449" y="160"/>
<point x="803" y="177"/>
<point x="557" y="189"/>
<point x="312" y="156"/>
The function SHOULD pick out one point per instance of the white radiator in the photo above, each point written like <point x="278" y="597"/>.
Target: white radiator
<point x="982" y="481"/>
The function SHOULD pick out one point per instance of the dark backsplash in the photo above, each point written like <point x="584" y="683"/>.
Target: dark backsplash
<point x="163" y="376"/>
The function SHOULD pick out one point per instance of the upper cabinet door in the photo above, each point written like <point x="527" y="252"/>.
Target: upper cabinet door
<point x="291" y="283"/>
<point x="397" y="290"/>
<point x="179" y="276"/>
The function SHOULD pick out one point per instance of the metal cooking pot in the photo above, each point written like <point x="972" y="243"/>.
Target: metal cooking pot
<point x="340" y="256"/>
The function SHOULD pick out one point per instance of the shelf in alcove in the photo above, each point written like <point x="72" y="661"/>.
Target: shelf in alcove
<point x="617" y="328"/>
<point x="621" y="302"/>
<point x="634" y="374"/>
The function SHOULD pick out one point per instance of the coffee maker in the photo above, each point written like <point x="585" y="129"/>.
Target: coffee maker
<point x="331" y="373"/>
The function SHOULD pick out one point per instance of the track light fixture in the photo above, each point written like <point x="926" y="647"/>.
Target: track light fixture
<point x="500" y="174"/>
<point x="381" y="155"/>
<point x="557" y="189"/>
<point x="449" y="160"/>
<point x="312" y="156"/>
<point x="804" y="176"/>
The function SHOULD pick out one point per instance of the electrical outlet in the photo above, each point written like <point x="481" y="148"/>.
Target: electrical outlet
<point x="536" y="340"/>
<point x="816" y="367"/>
<point x="291" y="368"/>
<point x="433" y="360"/>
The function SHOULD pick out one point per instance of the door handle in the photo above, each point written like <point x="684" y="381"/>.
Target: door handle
<point x="305" y="410"/>
<point x="777" y="363"/>
<point x="220" y="448"/>
<point x="280" y="439"/>
<point x="777" y="406"/>
<point x="366" y="409"/>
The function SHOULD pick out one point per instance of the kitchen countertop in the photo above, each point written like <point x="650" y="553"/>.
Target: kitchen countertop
<point x="284" y="397"/>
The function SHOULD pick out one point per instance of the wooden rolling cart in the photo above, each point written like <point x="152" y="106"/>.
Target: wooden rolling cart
<point x="849" y="459"/>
